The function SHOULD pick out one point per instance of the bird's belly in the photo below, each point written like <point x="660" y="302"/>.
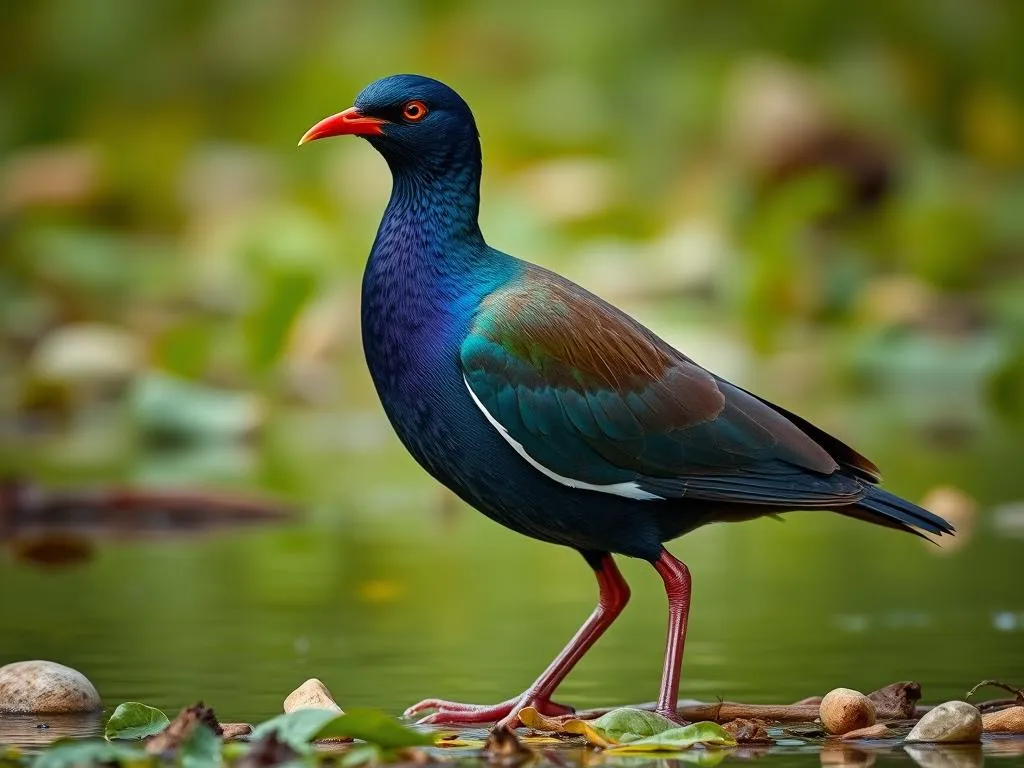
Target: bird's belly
<point x="421" y="387"/>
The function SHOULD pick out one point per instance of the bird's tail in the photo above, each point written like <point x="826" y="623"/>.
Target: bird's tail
<point x="883" y="508"/>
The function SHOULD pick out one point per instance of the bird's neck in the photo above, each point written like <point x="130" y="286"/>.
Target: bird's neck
<point x="435" y="206"/>
<point x="429" y="265"/>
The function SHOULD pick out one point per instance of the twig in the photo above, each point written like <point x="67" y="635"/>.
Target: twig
<point x="725" y="711"/>
<point x="1017" y="692"/>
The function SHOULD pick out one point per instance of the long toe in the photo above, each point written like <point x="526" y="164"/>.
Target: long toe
<point x="505" y="713"/>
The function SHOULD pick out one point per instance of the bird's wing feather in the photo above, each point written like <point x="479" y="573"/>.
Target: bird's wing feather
<point x="593" y="399"/>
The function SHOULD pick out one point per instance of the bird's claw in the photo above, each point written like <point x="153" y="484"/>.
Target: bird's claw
<point x="505" y="713"/>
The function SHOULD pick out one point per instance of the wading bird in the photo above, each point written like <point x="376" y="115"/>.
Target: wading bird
<point x="551" y="411"/>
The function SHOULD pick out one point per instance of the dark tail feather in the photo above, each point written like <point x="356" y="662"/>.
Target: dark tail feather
<point x="884" y="508"/>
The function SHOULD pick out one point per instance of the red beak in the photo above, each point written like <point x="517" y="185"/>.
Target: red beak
<point x="351" y="122"/>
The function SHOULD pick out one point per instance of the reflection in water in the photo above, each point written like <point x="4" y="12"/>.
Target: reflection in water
<point x="52" y="528"/>
<point x="37" y="730"/>
<point x="946" y="755"/>
<point x="839" y="754"/>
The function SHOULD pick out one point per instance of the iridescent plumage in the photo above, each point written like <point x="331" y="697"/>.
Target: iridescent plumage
<point x="553" y="412"/>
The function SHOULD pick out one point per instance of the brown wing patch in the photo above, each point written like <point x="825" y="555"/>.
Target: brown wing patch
<point x="575" y="340"/>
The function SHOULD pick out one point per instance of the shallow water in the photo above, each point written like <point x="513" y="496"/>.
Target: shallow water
<point x="390" y="591"/>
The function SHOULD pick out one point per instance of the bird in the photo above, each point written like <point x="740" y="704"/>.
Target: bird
<point x="553" y="412"/>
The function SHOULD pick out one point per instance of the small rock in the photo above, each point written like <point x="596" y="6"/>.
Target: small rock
<point x="1010" y="720"/>
<point x="45" y="687"/>
<point x="953" y="721"/>
<point x="843" y="710"/>
<point x="312" y="694"/>
<point x="876" y="731"/>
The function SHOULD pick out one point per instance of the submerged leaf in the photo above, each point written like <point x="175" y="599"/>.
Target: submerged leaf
<point x="679" y="738"/>
<point x="132" y="720"/>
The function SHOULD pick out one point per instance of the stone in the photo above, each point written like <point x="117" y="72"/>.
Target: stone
<point x="951" y="722"/>
<point x="312" y="694"/>
<point x="1009" y="720"/>
<point x="843" y="710"/>
<point x="45" y="687"/>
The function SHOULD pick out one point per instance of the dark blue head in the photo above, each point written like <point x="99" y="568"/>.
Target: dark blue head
<point x="414" y="121"/>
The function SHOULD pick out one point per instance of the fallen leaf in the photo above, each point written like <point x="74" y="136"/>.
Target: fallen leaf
<point x="618" y="726"/>
<point x="133" y="720"/>
<point x="679" y="739"/>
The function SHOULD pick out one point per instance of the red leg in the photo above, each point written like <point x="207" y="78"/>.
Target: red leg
<point x="614" y="594"/>
<point x="676" y="576"/>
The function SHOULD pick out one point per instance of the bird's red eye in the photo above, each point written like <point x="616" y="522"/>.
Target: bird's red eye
<point x="414" y="111"/>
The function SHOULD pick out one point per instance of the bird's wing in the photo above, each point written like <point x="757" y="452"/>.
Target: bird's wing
<point x="592" y="399"/>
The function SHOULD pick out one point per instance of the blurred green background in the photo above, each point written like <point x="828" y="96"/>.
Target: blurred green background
<point x="823" y="202"/>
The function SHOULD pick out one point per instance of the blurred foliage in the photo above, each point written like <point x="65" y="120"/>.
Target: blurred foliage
<point x="795" y="166"/>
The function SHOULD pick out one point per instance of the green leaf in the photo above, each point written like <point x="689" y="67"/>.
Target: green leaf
<point x="133" y="720"/>
<point x="361" y="754"/>
<point x="299" y="729"/>
<point x="679" y="739"/>
<point x="296" y="729"/>
<point x="201" y="749"/>
<point x="77" y="753"/>
<point x="625" y="725"/>
<point x="374" y="726"/>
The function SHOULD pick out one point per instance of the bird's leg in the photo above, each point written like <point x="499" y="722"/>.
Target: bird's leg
<point x="614" y="594"/>
<point x="676" y="576"/>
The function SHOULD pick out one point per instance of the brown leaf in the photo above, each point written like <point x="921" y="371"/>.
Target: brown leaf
<point x="171" y="737"/>
<point x="897" y="701"/>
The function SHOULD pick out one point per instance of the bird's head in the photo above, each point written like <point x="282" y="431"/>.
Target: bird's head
<point x="410" y="119"/>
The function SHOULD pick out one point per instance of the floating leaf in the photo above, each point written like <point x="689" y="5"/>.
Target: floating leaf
<point x="679" y="739"/>
<point x="133" y="720"/>
<point x="75" y="753"/>
<point x="298" y="729"/>
<point x="626" y="725"/>
<point x="374" y="726"/>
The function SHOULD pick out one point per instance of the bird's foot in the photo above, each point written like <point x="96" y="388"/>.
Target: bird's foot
<point x="506" y="713"/>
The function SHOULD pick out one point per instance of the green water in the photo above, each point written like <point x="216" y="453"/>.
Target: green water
<point x="390" y="591"/>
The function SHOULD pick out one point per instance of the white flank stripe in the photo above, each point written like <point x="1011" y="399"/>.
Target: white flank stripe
<point x="630" y="490"/>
